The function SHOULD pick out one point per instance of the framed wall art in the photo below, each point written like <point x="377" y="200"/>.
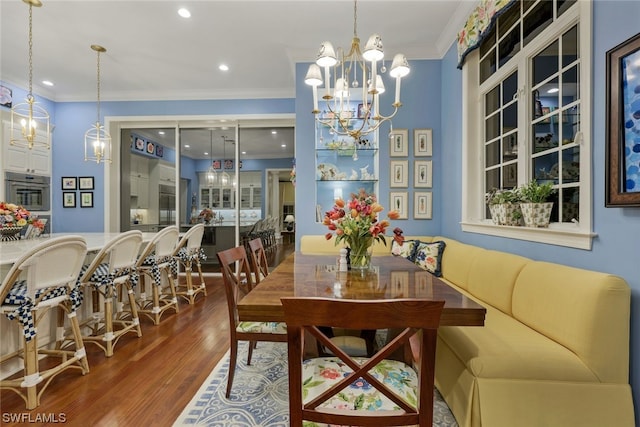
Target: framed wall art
<point x="422" y="204"/>
<point x="422" y="142"/>
<point x="68" y="199"/>
<point x="69" y="183"/>
<point x="423" y="173"/>
<point x="399" y="143"/>
<point x="399" y="202"/>
<point x="399" y="173"/>
<point x="622" y="154"/>
<point x="86" y="183"/>
<point x="86" y="199"/>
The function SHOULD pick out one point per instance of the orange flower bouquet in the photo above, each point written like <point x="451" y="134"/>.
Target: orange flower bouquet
<point x="356" y="224"/>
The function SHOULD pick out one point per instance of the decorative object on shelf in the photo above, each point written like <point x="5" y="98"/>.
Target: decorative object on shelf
<point x="422" y="142"/>
<point x="346" y="67"/>
<point x="536" y="210"/>
<point x="293" y="174"/>
<point x="206" y="215"/>
<point x="399" y="143"/>
<point x="29" y="120"/>
<point x="212" y="175"/>
<point x="623" y="121"/>
<point x="290" y="221"/>
<point x="13" y="218"/>
<point x="356" y="224"/>
<point x="97" y="141"/>
<point x="422" y="205"/>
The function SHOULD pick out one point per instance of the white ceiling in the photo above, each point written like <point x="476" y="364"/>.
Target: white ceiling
<point x="154" y="54"/>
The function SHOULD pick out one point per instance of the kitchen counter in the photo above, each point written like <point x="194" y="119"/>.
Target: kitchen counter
<point x="218" y="237"/>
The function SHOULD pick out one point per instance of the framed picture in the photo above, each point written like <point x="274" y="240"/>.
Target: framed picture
<point x="399" y="174"/>
<point x="159" y="150"/>
<point x="423" y="173"/>
<point x="422" y="142"/>
<point x="68" y="199"/>
<point x="361" y="111"/>
<point x="622" y="180"/>
<point x="86" y="199"/>
<point x="69" y="183"/>
<point x="86" y="183"/>
<point x="545" y="111"/>
<point x="422" y="204"/>
<point x="399" y="202"/>
<point x="398" y="143"/>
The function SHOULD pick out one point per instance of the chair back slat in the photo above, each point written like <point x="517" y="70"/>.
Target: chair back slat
<point x="258" y="260"/>
<point x="235" y="272"/>
<point x="415" y="320"/>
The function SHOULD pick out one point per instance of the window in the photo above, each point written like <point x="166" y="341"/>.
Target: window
<point x="525" y="90"/>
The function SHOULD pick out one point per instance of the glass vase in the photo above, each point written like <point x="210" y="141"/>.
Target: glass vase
<point x="360" y="257"/>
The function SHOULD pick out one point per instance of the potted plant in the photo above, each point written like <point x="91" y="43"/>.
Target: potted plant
<point x="504" y="206"/>
<point x="536" y="209"/>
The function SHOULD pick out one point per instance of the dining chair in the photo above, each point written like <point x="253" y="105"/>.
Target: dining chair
<point x="112" y="273"/>
<point x="41" y="279"/>
<point x="376" y="391"/>
<point x="157" y="264"/>
<point x="259" y="263"/>
<point x="188" y="253"/>
<point x="236" y="275"/>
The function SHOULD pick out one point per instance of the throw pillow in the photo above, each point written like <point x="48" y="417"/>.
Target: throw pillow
<point x="406" y="250"/>
<point x="429" y="256"/>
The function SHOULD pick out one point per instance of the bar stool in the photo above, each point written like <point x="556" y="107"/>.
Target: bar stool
<point x="157" y="263"/>
<point x="44" y="278"/>
<point x="187" y="252"/>
<point x="111" y="272"/>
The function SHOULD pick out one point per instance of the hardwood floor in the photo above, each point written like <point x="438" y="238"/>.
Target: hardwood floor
<point x="149" y="380"/>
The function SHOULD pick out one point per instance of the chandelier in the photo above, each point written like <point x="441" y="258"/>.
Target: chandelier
<point x="30" y="121"/>
<point x="97" y="141"/>
<point x="212" y="176"/>
<point x="347" y="69"/>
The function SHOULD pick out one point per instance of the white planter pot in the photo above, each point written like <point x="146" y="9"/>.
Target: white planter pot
<point x="493" y="210"/>
<point x="508" y="214"/>
<point x="536" y="214"/>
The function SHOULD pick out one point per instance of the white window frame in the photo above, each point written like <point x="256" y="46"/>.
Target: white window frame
<point x="577" y="234"/>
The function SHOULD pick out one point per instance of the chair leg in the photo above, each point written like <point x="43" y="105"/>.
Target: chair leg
<point x="31" y="372"/>
<point x="108" y="325"/>
<point x="134" y="310"/>
<point x="80" y="352"/>
<point x="232" y="365"/>
<point x="252" y="345"/>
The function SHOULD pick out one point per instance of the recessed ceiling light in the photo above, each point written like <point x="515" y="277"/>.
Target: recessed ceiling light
<point x="206" y="153"/>
<point x="161" y="132"/>
<point x="553" y="90"/>
<point x="187" y="146"/>
<point x="284" y="146"/>
<point x="244" y="152"/>
<point x="274" y="132"/>
<point x="184" y="12"/>
<point x="223" y="67"/>
<point x="47" y="83"/>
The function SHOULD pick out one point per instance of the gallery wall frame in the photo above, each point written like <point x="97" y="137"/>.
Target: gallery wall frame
<point x="399" y="170"/>
<point x="422" y="142"/>
<point x="68" y="199"/>
<point x="69" y="183"/>
<point x="622" y="184"/>
<point x="423" y="173"/>
<point x="399" y="143"/>
<point x="399" y="201"/>
<point x="85" y="183"/>
<point x="422" y="205"/>
<point x="86" y="199"/>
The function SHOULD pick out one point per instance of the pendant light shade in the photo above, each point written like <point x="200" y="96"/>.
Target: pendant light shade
<point x="97" y="141"/>
<point x="30" y="125"/>
<point x="225" y="179"/>
<point x="212" y="175"/>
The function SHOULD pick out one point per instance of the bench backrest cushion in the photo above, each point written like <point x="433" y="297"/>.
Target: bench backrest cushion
<point x="492" y="277"/>
<point x="457" y="259"/>
<point x="586" y="311"/>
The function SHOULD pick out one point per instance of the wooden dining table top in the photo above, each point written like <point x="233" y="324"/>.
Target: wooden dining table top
<point x="389" y="277"/>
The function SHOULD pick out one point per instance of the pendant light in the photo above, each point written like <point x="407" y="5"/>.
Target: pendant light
<point x="225" y="179"/>
<point x="212" y="176"/>
<point x="30" y="121"/>
<point x="97" y="141"/>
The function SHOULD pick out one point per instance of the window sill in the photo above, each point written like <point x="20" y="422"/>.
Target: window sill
<point x="557" y="234"/>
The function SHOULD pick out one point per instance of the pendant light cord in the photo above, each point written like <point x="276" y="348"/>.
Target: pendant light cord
<point x="30" y="95"/>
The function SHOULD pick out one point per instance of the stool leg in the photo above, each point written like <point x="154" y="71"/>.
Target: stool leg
<point x="31" y="373"/>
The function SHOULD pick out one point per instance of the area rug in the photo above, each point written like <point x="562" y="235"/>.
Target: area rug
<point x="259" y="397"/>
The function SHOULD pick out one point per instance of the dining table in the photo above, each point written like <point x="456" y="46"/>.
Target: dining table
<point x="389" y="277"/>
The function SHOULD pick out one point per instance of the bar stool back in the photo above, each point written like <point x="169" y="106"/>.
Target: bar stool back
<point x="44" y="278"/>
<point x="187" y="252"/>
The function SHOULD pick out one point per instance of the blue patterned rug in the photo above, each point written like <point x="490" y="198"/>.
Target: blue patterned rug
<point x="259" y="397"/>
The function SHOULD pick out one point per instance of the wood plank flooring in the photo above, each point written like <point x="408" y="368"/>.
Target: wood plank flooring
<point x="149" y="380"/>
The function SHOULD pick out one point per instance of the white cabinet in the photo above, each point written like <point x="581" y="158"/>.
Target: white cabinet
<point x="250" y="190"/>
<point x="36" y="160"/>
<point x="166" y="174"/>
<point x="139" y="178"/>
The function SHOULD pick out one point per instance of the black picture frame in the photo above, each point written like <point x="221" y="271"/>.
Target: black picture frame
<point x="69" y="183"/>
<point x="68" y="199"/>
<point x="85" y="183"/>
<point x="86" y="199"/>
<point x="620" y="190"/>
